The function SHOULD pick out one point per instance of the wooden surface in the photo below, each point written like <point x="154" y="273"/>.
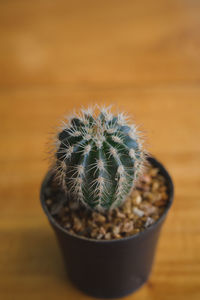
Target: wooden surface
<point x="143" y="56"/>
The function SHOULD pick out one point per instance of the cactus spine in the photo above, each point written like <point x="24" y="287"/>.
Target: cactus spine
<point x="99" y="158"/>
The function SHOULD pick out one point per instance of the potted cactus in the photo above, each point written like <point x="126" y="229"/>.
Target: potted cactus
<point x="106" y="200"/>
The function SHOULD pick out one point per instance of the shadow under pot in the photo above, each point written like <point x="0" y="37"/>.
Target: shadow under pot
<point x="109" y="268"/>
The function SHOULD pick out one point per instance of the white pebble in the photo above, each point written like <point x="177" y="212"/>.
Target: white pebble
<point x="149" y="222"/>
<point x="138" y="212"/>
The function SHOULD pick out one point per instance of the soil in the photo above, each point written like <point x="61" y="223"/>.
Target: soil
<point x="142" y="208"/>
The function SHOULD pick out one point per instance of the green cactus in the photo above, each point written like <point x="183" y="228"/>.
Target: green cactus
<point x="99" y="158"/>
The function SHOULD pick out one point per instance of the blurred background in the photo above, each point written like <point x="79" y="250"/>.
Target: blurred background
<point x="143" y="57"/>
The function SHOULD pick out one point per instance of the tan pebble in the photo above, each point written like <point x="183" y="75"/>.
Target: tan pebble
<point x="98" y="217"/>
<point x="102" y="230"/>
<point x="157" y="196"/>
<point x="134" y="193"/>
<point x="160" y="203"/>
<point x="146" y="188"/>
<point x="155" y="186"/>
<point x="109" y="216"/>
<point x="67" y="225"/>
<point x="108" y="236"/>
<point x="127" y="206"/>
<point x="92" y="224"/>
<point x="127" y="227"/>
<point x="146" y="178"/>
<point x="121" y="215"/>
<point x="148" y="195"/>
<point x="107" y="226"/>
<point x="101" y="219"/>
<point x="116" y="221"/>
<point x="117" y="236"/>
<point x="127" y="211"/>
<point x="149" y="209"/>
<point x="130" y="216"/>
<point x="116" y="230"/>
<point x="155" y="217"/>
<point x="135" y="231"/>
<point x="153" y="172"/>
<point x="77" y="224"/>
<point x="94" y="233"/>
<point x="160" y="178"/>
<point x="138" y="200"/>
<point x="94" y="214"/>
<point x="164" y="196"/>
<point x="163" y="188"/>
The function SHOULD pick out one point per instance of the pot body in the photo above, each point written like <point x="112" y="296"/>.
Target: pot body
<point x="115" y="268"/>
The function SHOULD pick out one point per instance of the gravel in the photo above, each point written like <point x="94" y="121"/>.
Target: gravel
<point x="142" y="208"/>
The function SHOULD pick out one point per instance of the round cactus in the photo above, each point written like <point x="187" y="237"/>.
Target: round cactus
<point x="99" y="158"/>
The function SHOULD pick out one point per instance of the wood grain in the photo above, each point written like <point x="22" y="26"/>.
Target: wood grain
<point x="143" y="57"/>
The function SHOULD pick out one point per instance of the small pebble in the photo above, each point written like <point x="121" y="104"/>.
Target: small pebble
<point x="98" y="217"/>
<point x="138" y="212"/>
<point x="116" y="230"/>
<point x="121" y="215"/>
<point x="67" y="225"/>
<point x="148" y="209"/>
<point x="146" y="178"/>
<point x="99" y="236"/>
<point x="149" y="222"/>
<point x="128" y="227"/>
<point x="102" y="230"/>
<point x="137" y="200"/>
<point x="153" y="172"/>
<point x="78" y="226"/>
<point x="160" y="203"/>
<point x="108" y="236"/>
<point x="149" y="196"/>
<point x="155" y="186"/>
<point x="94" y="233"/>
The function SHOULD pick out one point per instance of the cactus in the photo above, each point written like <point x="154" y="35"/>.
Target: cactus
<point x="99" y="158"/>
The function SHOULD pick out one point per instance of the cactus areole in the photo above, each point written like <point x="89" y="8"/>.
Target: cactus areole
<point x="99" y="157"/>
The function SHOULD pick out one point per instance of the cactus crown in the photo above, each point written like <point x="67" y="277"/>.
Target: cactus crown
<point x="99" y="158"/>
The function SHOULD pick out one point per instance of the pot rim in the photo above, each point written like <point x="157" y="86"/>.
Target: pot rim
<point x="152" y="160"/>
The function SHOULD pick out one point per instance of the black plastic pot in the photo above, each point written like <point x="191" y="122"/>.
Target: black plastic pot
<point x="109" y="269"/>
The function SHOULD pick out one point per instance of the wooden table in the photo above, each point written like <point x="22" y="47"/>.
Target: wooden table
<point x="143" y="56"/>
